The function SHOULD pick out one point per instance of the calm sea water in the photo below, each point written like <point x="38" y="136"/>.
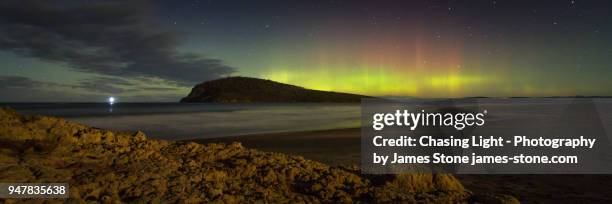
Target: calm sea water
<point x="178" y="121"/>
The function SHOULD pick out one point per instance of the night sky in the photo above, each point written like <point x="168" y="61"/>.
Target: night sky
<point x="157" y="50"/>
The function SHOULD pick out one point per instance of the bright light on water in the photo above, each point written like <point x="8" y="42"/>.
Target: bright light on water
<point x="111" y="100"/>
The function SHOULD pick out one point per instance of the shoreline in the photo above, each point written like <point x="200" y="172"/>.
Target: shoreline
<point x="341" y="147"/>
<point x="318" y="145"/>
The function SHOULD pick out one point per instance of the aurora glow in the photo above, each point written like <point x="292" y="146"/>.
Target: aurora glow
<point x="412" y="48"/>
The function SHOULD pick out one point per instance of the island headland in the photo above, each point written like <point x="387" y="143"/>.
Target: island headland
<point x="248" y="90"/>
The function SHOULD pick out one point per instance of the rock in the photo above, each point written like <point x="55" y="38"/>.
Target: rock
<point x="139" y="136"/>
<point x="111" y="167"/>
<point x="246" y="90"/>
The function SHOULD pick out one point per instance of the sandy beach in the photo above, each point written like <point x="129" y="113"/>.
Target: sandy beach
<point x="342" y="147"/>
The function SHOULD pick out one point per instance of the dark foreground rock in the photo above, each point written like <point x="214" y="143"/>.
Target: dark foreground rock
<point x="106" y="166"/>
<point x="247" y="90"/>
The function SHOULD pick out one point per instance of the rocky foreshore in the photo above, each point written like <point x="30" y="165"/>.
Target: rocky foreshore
<point x="109" y="167"/>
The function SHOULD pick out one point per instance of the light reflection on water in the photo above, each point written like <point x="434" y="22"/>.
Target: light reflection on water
<point x="186" y="121"/>
<point x="179" y="121"/>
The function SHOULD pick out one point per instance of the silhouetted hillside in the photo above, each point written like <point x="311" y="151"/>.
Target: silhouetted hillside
<point x="245" y="89"/>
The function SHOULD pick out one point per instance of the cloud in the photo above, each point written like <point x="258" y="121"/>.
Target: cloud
<point x="115" y="85"/>
<point x="19" y="82"/>
<point x="159" y="88"/>
<point x="105" y="85"/>
<point x="24" y="89"/>
<point x="96" y="85"/>
<point x="108" y="38"/>
<point x="13" y="81"/>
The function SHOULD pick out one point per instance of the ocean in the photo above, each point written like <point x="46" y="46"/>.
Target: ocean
<point x="181" y="121"/>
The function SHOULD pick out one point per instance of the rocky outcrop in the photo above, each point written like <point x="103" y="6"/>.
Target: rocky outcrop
<point x="106" y="166"/>
<point x="246" y="90"/>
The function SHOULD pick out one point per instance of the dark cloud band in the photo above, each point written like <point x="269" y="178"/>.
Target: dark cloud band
<point x="108" y="38"/>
